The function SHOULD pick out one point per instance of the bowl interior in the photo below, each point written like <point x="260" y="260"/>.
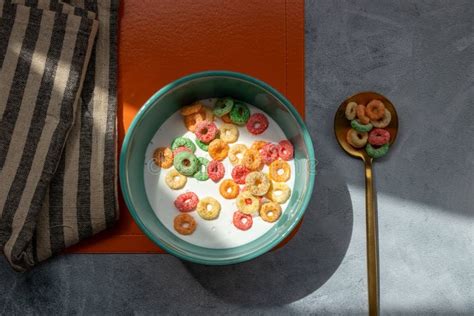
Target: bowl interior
<point x="185" y="91"/>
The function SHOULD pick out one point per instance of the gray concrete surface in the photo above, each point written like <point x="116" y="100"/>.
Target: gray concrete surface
<point x="420" y="54"/>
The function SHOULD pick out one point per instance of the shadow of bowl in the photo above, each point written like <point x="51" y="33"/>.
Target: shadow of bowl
<point x="298" y="269"/>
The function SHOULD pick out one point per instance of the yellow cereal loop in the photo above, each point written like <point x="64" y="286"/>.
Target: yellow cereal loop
<point x="175" y="180"/>
<point x="252" y="159"/>
<point x="236" y="153"/>
<point x="257" y="183"/>
<point x="208" y="208"/>
<point x="280" y="171"/>
<point x="229" y="133"/>
<point x="247" y="203"/>
<point x="279" y="192"/>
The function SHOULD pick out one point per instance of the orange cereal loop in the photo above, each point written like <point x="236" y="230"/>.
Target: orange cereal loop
<point x="258" y="144"/>
<point x="163" y="157"/>
<point x="191" y="121"/>
<point x="226" y="118"/>
<point x="218" y="149"/>
<point x="360" y="111"/>
<point x="375" y="110"/>
<point x="191" y="109"/>
<point x="270" y="212"/>
<point x="280" y="171"/>
<point x="184" y="224"/>
<point x="229" y="189"/>
<point x="252" y="160"/>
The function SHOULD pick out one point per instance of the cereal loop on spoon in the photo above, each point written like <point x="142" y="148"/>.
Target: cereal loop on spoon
<point x="350" y="111"/>
<point x="361" y="115"/>
<point x="375" y="110"/>
<point x="356" y="139"/>
<point x="384" y="121"/>
<point x="379" y="137"/>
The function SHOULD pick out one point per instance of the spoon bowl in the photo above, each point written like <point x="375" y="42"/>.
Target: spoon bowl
<point x="342" y="124"/>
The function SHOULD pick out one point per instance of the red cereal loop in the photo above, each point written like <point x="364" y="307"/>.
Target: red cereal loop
<point x="285" y="150"/>
<point x="206" y="131"/>
<point x="379" y="137"/>
<point x="186" y="202"/>
<point x="181" y="149"/>
<point x="239" y="173"/>
<point x="215" y="170"/>
<point x="242" y="221"/>
<point x="257" y="123"/>
<point x="269" y="153"/>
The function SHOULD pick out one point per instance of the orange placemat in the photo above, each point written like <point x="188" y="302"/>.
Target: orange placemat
<point x="161" y="41"/>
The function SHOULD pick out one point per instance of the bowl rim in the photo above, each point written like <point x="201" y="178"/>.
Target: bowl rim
<point x="176" y="83"/>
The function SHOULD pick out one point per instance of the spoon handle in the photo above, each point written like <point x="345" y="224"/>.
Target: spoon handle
<point x="371" y="225"/>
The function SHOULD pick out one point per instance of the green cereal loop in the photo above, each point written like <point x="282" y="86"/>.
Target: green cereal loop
<point x="223" y="106"/>
<point x="376" y="153"/>
<point x="183" y="141"/>
<point x="186" y="163"/>
<point x="240" y="114"/>
<point x="201" y="174"/>
<point x="202" y="145"/>
<point x="361" y="127"/>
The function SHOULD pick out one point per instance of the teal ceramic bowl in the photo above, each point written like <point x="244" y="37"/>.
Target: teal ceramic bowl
<point x="201" y="86"/>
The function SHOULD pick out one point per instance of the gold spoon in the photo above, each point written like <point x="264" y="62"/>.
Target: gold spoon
<point x="341" y="126"/>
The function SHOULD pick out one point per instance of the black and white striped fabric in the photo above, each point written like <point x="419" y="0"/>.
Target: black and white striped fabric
<point x="58" y="125"/>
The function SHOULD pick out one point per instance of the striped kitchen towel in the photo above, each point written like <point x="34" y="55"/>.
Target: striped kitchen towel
<point x="82" y="197"/>
<point x="58" y="125"/>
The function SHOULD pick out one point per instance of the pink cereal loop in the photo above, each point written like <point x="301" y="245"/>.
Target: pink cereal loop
<point x="206" y="131"/>
<point x="269" y="153"/>
<point x="379" y="137"/>
<point x="186" y="202"/>
<point x="285" y="150"/>
<point x="239" y="173"/>
<point x="242" y="221"/>
<point x="215" y="170"/>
